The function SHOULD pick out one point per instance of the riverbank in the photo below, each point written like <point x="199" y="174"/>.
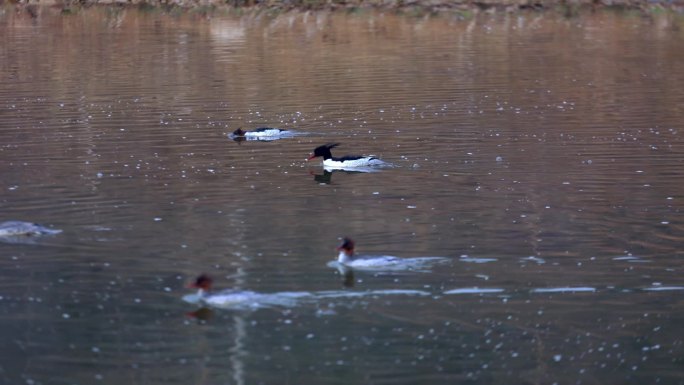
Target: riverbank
<point x="410" y="7"/>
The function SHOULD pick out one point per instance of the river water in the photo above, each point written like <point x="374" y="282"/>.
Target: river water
<point x="542" y="156"/>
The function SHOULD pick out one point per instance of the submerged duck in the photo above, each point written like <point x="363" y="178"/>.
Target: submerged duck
<point x="26" y="229"/>
<point x="345" y="162"/>
<point x="261" y="133"/>
<point x="347" y="258"/>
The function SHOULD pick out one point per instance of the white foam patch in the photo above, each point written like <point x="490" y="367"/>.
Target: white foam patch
<point x="631" y="258"/>
<point x="267" y="135"/>
<point x="474" y="290"/>
<point x="398" y="292"/>
<point x="389" y="263"/>
<point x="564" y="290"/>
<point x="537" y="260"/>
<point x="664" y="288"/>
<point x="370" y="293"/>
<point x="253" y="300"/>
<point x="465" y="258"/>
<point x="248" y="299"/>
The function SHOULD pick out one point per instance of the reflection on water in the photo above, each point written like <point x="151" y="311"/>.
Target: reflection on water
<point x="326" y="175"/>
<point x="541" y="155"/>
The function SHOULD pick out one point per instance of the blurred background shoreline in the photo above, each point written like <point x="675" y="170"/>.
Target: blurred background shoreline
<point x="459" y="8"/>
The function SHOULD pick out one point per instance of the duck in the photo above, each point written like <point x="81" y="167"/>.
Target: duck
<point x="240" y="299"/>
<point x="261" y="133"/>
<point x="203" y="283"/>
<point x="348" y="259"/>
<point x="25" y="229"/>
<point x="345" y="162"/>
<point x="249" y="300"/>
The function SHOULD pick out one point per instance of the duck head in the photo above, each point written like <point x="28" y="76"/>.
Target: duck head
<point x="346" y="249"/>
<point x="323" y="151"/>
<point x="202" y="283"/>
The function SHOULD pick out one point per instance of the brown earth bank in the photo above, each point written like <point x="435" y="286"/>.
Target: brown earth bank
<point x="411" y="7"/>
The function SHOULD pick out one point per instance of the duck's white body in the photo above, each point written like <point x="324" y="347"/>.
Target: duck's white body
<point x="357" y="163"/>
<point x="347" y="258"/>
<point x="366" y="261"/>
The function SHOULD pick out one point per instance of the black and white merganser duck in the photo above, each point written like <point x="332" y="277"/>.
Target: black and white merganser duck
<point x="261" y="133"/>
<point x="347" y="258"/>
<point x="239" y="299"/>
<point x="346" y="162"/>
<point x="26" y="229"/>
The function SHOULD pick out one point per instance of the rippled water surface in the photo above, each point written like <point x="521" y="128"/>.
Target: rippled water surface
<point x="542" y="156"/>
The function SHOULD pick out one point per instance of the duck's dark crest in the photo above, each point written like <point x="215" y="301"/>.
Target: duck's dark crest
<point x="346" y="245"/>
<point x="202" y="282"/>
<point x="323" y="151"/>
